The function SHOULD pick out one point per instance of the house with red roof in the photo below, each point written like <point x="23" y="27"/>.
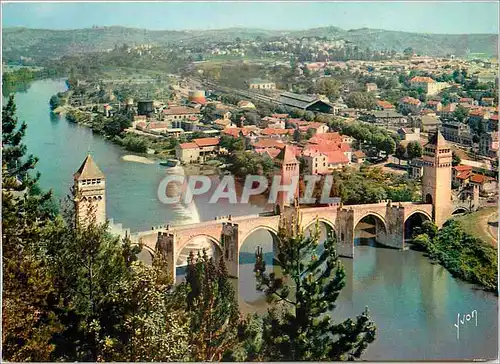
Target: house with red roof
<point x="409" y="104"/>
<point x="428" y="85"/>
<point x="461" y="174"/>
<point x="434" y="105"/>
<point x="197" y="150"/>
<point x="180" y="113"/>
<point x="385" y="105"/>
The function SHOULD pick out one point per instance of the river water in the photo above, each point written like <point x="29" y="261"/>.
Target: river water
<point x="414" y="303"/>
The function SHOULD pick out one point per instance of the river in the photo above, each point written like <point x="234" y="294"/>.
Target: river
<point x="414" y="303"/>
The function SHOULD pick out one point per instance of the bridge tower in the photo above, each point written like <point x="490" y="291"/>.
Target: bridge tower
<point x="436" y="179"/>
<point x="89" y="193"/>
<point x="289" y="171"/>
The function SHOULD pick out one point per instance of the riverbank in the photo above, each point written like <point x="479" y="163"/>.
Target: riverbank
<point x="465" y="256"/>
<point x="137" y="159"/>
<point x="481" y="224"/>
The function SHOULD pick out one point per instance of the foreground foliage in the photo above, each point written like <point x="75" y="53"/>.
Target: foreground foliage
<point x="74" y="292"/>
<point x="301" y="327"/>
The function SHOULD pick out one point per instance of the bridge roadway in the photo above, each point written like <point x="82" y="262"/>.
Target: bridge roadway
<point x="229" y="233"/>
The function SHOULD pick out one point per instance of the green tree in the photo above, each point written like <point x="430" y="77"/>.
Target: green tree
<point x="155" y="324"/>
<point x="310" y="133"/>
<point x="29" y="318"/>
<point x="400" y="152"/>
<point x="328" y="87"/>
<point x="54" y="102"/>
<point x="213" y="306"/>
<point x="296" y="135"/>
<point x="414" y="150"/>
<point x="456" y="160"/>
<point x="302" y="329"/>
<point x="460" y="113"/>
<point x="362" y="100"/>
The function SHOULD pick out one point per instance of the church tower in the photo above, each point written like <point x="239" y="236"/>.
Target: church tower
<point x="436" y="179"/>
<point x="90" y="193"/>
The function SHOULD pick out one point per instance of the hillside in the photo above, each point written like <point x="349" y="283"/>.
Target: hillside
<point x="44" y="43"/>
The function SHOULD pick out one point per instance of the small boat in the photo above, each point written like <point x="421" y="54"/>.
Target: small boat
<point x="170" y="163"/>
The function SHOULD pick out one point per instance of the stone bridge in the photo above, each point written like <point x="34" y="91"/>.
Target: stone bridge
<point x="229" y="233"/>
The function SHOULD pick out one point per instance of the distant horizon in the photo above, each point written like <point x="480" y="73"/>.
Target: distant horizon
<point x="238" y="27"/>
<point x="437" y="18"/>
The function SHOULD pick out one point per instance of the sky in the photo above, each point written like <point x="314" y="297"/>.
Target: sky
<point x="443" y="17"/>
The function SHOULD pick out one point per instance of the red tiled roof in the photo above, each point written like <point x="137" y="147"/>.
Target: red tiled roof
<point x="272" y="152"/>
<point x="422" y="79"/>
<point x="479" y="178"/>
<point x="385" y="104"/>
<point x="464" y="175"/>
<point x="410" y="100"/>
<point x="465" y="99"/>
<point x="359" y="154"/>
<point x="461" y="168"/>
<point x="269" y="143"/>
<point x="321" y="138"/>
<point x="206" y="142"/>
<point x="179" y="110"/>
<point x="433" y="102"/>
<point x="273" y="131"/>
<point x="476" y="112"/>
<point x="494" y="117"/>
<point x="188" y="145"/>
<point x="449" y="108"/>
<point x="337" y="157"/>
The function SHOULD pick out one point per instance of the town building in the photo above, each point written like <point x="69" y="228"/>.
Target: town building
<point x="371" y="87"/>
<point x="358" y="157"/>
<point x="410" y="105"/>
<point x="180" y="113"/>
<point x="304" y="102"/>
<point x="447" y="111"/>
<point x="416" y="168"/>
<point x="428" y="123"/>
<point x="385" y="105"/>
<point x="247" y="105"/>
<point x="409" y="134"/>
<point x="198" y="150"/>
<point x="386" y="117"/>
<point x="434" y="105"/>
<point x="428" y="85"/>
<point x="457" y="132"/>
<point x="488" y="144"/>
<point x="260" y="84"/>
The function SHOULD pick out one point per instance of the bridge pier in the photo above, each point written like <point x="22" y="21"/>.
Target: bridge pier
<point x="230" y="244"/>
<point x="165" y="246"/>
<point x="345" y="232"/>
<point x="394" y="236"/>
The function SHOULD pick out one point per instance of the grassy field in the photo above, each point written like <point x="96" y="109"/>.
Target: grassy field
<point x="476" y="224"/>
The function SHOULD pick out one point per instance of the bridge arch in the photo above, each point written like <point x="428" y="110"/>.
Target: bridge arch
<point x="375" y="228"/>
<point x="376" y="215"/>
<point x="146" y="255"/>
<point x="271" y="230"/>
<point x="185" y="242"/>
<point x="306" y="226"/>
<point x="460" y="210"/>
<point x="413" y="222"/>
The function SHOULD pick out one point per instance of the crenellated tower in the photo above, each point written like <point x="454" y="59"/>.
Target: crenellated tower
<point x="436" y="179"/>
